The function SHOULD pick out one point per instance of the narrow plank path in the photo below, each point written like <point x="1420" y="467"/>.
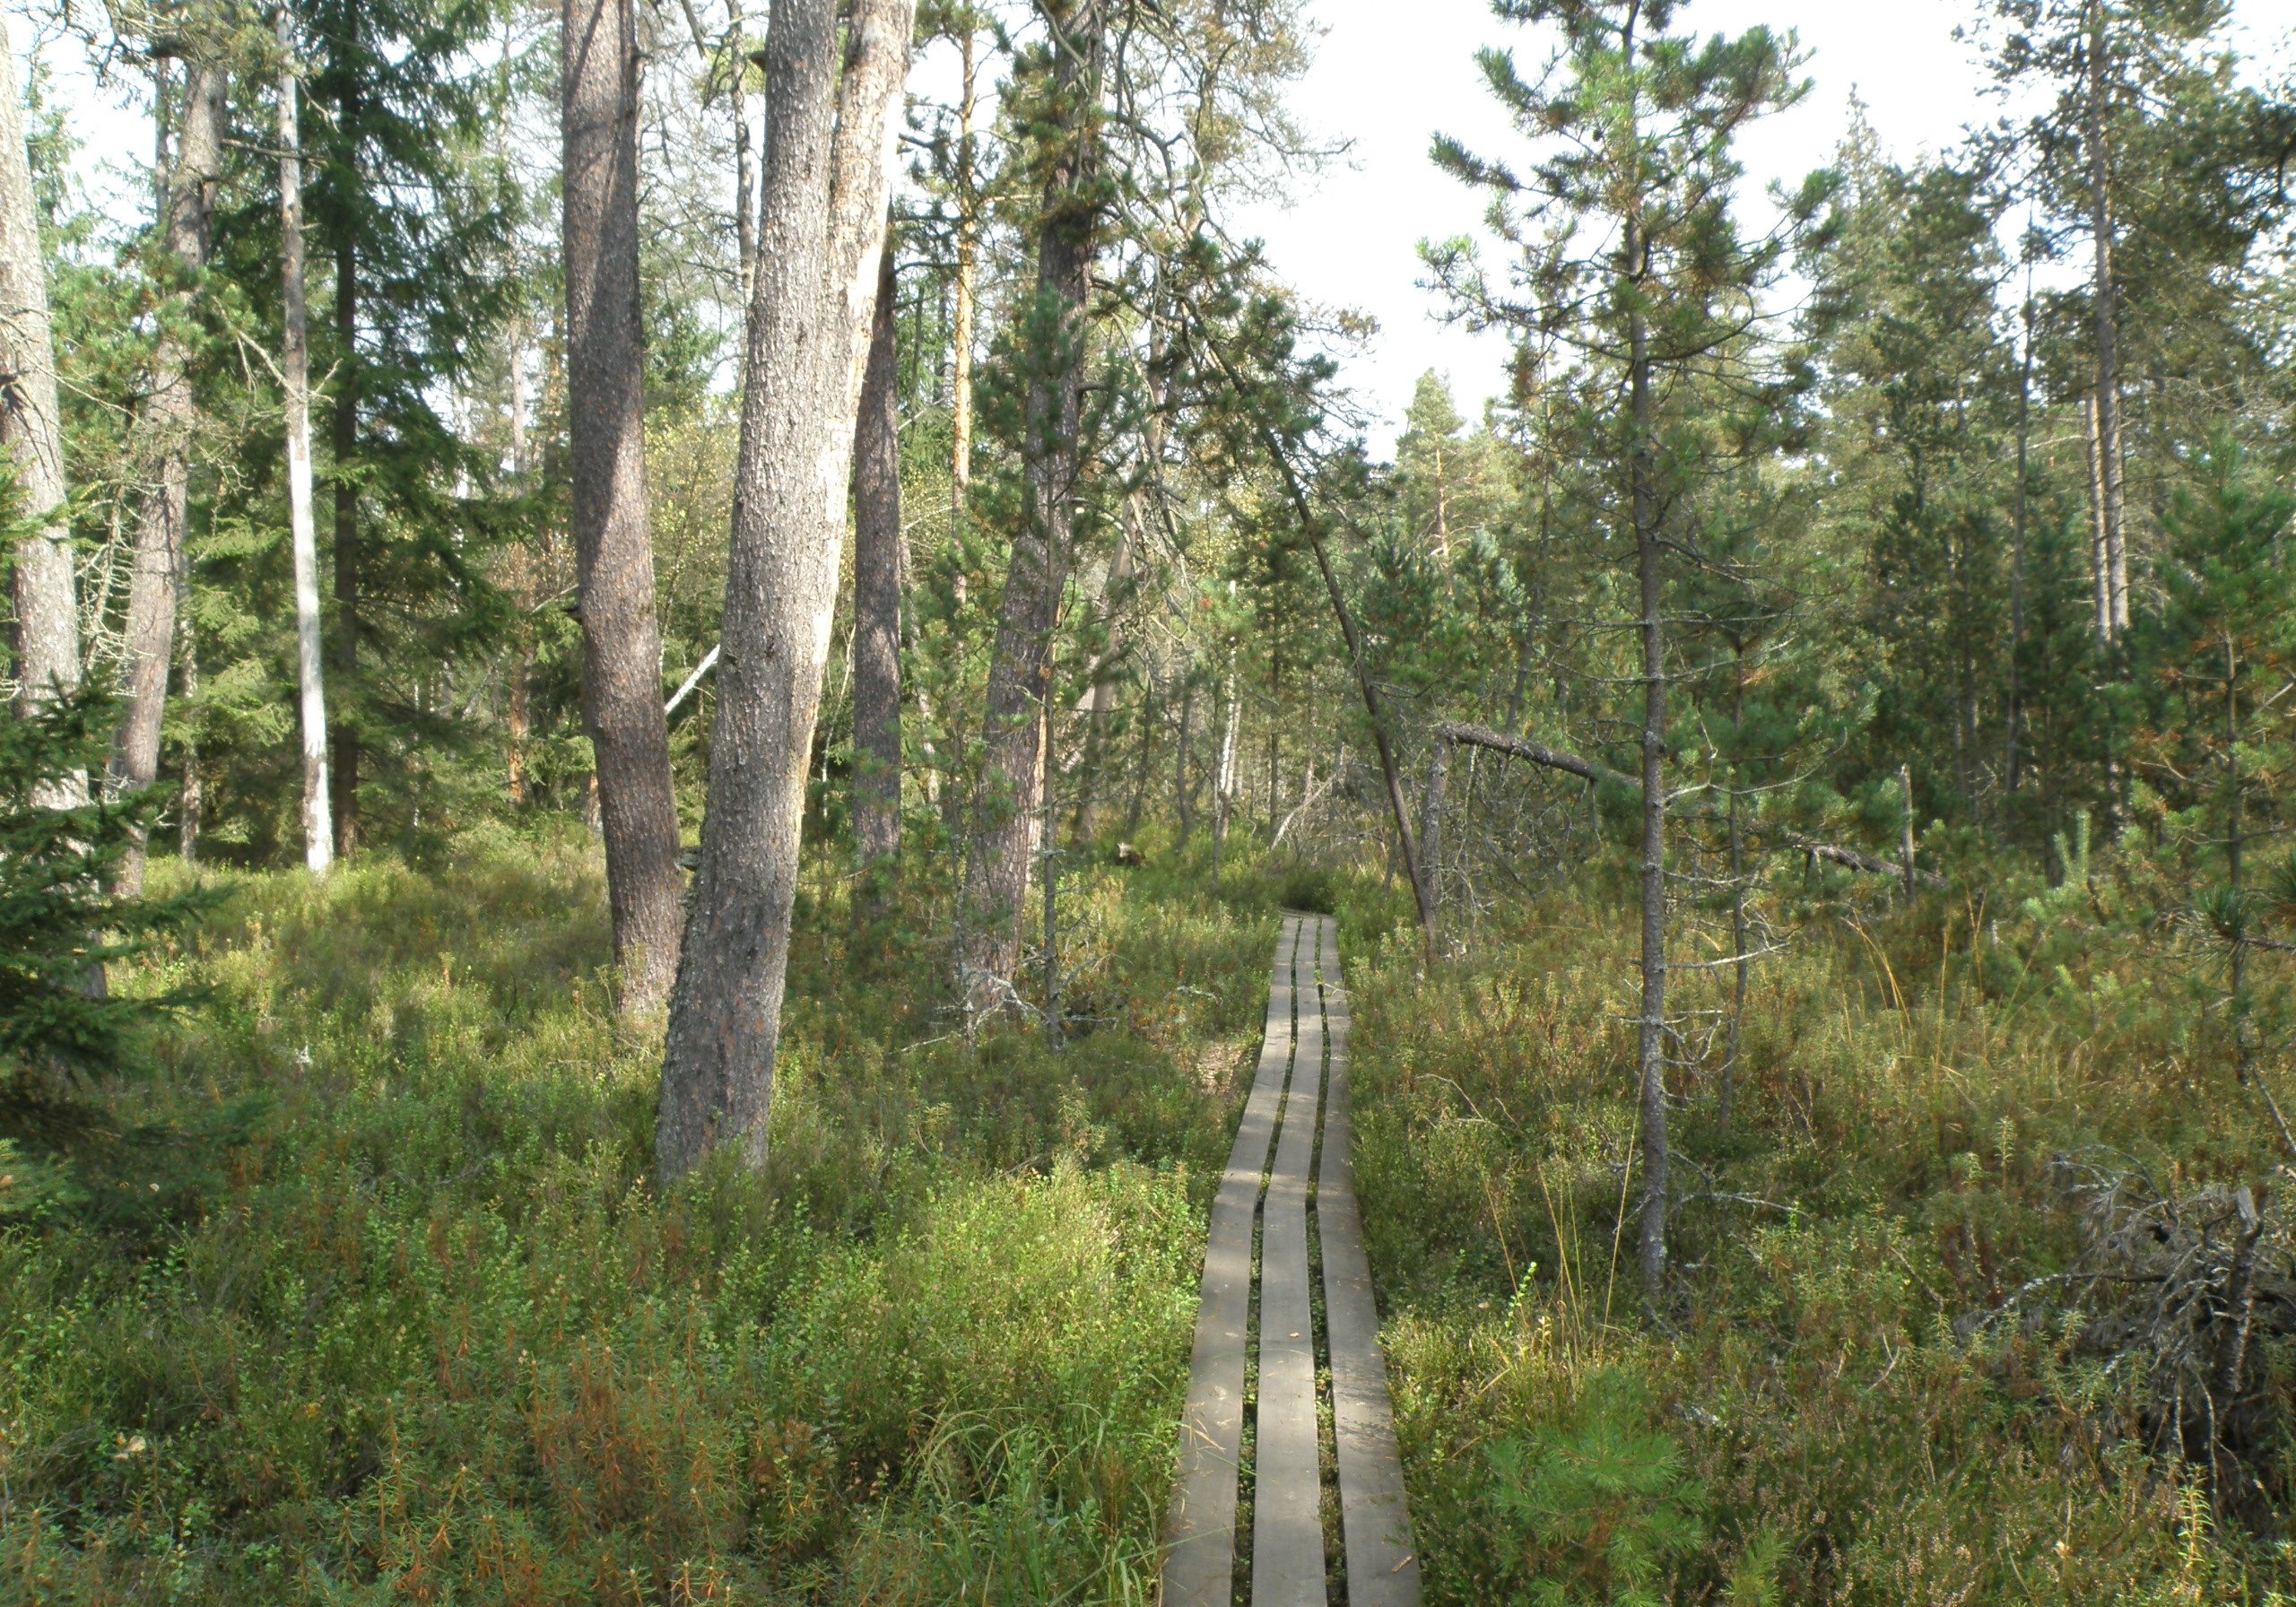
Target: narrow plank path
<point x="1295" y="1125"/>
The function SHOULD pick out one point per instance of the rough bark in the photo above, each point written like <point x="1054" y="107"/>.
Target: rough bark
<point x="295" y="367"/>
<point x="1006" y="797"/>
<point x="828" y="157"/>
<point x="622" y="646"/>
<point x="46" y="638"/>
<point x="170" y="419"/>
<point x="877" y="563"/>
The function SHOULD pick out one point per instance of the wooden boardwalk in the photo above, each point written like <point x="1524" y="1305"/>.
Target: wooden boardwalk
<point x="1298" y="1106"/>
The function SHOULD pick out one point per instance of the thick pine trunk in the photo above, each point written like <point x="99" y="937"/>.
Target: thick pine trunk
<point x="877" y="563"/>
<point x="46" y="636"/>
<point x="171" y="419"/>
<point x="1006" y="801"/>
<point x="295" y="365"/>
<point x="622" y="646"/>
<point x="828" y="154"/>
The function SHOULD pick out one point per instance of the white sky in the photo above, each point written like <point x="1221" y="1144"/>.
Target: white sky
<point x="1388" y="76"/>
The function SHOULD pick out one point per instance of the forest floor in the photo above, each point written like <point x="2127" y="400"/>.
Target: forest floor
<point x="412" y="1325"/>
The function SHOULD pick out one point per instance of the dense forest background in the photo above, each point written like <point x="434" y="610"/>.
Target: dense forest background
<point x="1805" y="778"/>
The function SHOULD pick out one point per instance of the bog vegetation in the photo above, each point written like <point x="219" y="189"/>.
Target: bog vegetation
<point x="668" y="664"/>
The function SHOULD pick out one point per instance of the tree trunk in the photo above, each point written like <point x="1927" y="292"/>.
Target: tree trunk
<point x="343" y="735"/>
<point x="2114" y="572"/>
<point x="737" y="65"/>
<point x="1911" y="882"/>
<point x="877" y="564"/>
<point x="828" y="155"/>
<point x="621" y="647"/>
<point x="1020" y="671"/>
<point x="961" y="333"/>
<point x="1223" y="788"/>
<point x="1642" y="507"/>
<point x="295" y="368"/>
<point x="2017" y="721"/>
<point x="191" y="804"/>
<point x="172" y="416"/>
<point x="1103" y="700"/>
<point x="1183" y="791"/>
<point x="1431" y="833"/>
<point x="47" y="636"/>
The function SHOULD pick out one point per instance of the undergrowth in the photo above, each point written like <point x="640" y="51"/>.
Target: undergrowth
<point x="1822" y="1419"/>
<point x="428" y="1333"/>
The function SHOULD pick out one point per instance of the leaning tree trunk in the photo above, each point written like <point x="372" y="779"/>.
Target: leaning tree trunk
<point x="876" y="588"/>
<point x="828" y="157"/>
<point x="997" y="868"/>
<point x="295" y="365"/>
<point x="46" y="636"/>
<point x="621" y="645"/>
<point x="171" y="417"/>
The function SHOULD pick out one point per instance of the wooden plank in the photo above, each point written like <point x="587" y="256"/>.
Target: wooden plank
<point x="1287" y="1486"/>
<point x="1382" y="1566"/>
<point x="1200" y="1529"/>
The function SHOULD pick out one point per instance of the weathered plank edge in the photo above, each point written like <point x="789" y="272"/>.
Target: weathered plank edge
<point x="1200" y="1528"/>
<point x="1382" y="1565"/>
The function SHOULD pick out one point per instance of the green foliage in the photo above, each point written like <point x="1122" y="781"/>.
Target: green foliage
<point x="1911" y="1094"/>
<point x="1607" y="1495"/>
<point x="431" y="1333"/>
<point x="60" y="926"/>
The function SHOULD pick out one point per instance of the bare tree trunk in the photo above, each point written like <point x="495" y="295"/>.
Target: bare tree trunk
<point x="737" y="66"/>
<point x="2017" y="721"/>
<point x="1183" y="793"/>
<point x="962" y="322"/>
<point x="2113" y="575"/>
<point x="1103" y="700"/>
<point x="523" y="588"/>
<point x="172" y="416"/>
<point x="343" y="773"/>
<point x="1049" y="837"/>
<point x="1020" y="671"/>
<point x="1223" y="789"/>
<point x="191" y="804"/>
<point x="295" y="368"/>
<point x="1642" y="507"/>
<point x="828" y="159"/>
<point x="877" y="562"/>
<point x="622" y="646"/>
<point x="1431" y="833"/>
<point x="1911" y="882"/>
<point x="47" y="636"/>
